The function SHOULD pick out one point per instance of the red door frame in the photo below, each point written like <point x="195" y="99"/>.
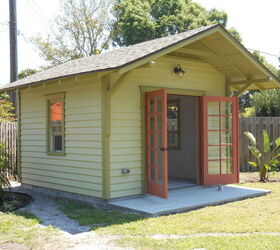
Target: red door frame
<point x="157" y="184"/>
<point x="220" y="178"/>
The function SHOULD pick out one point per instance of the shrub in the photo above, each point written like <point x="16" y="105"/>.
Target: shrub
<point x="5" y="171"/>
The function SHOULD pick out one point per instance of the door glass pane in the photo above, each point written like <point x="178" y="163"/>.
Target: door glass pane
<point x="213" y="108"/>
<point x="213" y="152"/>
<point x="152" y="104"/>
<point x="153" y="174"/>
<point x="213" y="167"/>
<point x="213" y="123"/>
<point x="152" y="159"/>
<point x="159" y="124"/>
<point x="226" y="137"/>
<point x="159" y="104"/>
<point x="159" y="140"/>
<point x="160" y="158"/>
<point x="152" y="140"/>
<point x="226" y="167"/>
<point x="226" y="108"/>
<point x="152" y="122"/>
<point x="226" y="152"/>
<point x="213" y="138"/>
<point x="160" y="176"/>
<point x="226" y="122"/>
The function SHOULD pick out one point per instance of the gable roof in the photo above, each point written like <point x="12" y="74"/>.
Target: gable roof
<point x="115" y="59"/>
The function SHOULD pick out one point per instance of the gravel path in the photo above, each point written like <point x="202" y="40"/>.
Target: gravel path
<point x="73" y="236"/>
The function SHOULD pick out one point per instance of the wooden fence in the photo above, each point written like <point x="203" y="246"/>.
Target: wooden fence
<point x="8" y="137"/>
<point x="255" y="125"/>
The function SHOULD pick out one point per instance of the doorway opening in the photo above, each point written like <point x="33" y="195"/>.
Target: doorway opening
<point x="182" y="131"/>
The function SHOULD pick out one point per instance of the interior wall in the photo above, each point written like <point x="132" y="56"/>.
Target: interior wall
<point x="182" y="162"/>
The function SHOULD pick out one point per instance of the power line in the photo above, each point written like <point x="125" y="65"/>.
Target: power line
<point x="37" y="12"/>
<point x="266" y="53"/>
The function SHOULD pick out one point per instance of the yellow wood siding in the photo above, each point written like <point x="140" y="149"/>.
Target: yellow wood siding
<point x="80" y="169"/>
<point x="125" y="138"/>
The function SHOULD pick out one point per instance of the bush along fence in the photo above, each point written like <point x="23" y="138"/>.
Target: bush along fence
<point x="8" y="137"/>
<point x="255" y="125"/>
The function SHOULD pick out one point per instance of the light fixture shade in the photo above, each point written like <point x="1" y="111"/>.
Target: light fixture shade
<point x="179" y="71"/>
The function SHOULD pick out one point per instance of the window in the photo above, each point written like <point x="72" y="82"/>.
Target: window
<point x="173" y="124"/>
<point x="55" y="126"/>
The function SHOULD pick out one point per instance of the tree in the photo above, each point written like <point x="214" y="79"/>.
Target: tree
<point x="83" y="28"/>
<point x="27" y="72"/>
<point x="267" y="102"/>
<point x="6" y="108"/>
<point x="273" y="69"/>
<point x="143" y="20"/>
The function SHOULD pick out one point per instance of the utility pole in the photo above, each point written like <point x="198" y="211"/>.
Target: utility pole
<point x="13" y="47"/>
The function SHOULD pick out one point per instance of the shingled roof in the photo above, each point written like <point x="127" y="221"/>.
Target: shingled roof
<point x="110" y="60"/>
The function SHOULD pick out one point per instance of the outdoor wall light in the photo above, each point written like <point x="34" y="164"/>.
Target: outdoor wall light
<point x="179" y="71"/>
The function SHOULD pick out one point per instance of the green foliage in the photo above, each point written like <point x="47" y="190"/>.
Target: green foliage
<point x="248" y="112"/>
<point x="266" y="157"/>
<point x="27" y="72"/>
<point x="267" y="103"/>
<point x="5" y="170"/>
<point x="143" y="20"/>
<point x="6" y="108"/>
<point x="273" y="69"/>
<point x="83" y="28"/>
<point x="235" y="34"/>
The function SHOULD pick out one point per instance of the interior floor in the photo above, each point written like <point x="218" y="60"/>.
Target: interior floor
<point x="179" y="183"/>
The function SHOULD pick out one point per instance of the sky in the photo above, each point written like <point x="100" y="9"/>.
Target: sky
<point x="257" y="21"/>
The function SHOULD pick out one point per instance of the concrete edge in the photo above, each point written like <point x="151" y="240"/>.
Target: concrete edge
<point x="187" y="209"/>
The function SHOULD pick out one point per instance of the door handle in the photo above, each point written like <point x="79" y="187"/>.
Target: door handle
<point x="163" y="149"/>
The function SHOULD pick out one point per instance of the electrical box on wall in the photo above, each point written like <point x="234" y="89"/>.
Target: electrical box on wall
<point x="125" y="171"/>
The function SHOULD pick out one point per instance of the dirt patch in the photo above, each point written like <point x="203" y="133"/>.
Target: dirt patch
<point x="13" y="246"/>
<point x="254" y="177"/>
<point x="13" y="201"/>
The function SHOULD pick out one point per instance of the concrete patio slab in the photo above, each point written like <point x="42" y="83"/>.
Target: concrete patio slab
<point x="185" y="199"/>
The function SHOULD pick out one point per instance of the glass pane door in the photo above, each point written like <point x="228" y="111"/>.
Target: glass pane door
<point x="156" y="142"/>
<point x="220" y="129"/>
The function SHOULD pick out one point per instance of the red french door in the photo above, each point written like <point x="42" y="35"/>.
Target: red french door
<point x="220" y="140"/>
<point x="156" y="143"/>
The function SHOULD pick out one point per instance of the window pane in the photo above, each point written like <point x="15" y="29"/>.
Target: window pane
<point x="152" y="105"/>
<point x="159" y="124"/>
<point x="213" y="108"/>
<point x="213" y="152"/>
<point x="213" y="167"/>
<point x="56" y="112"/>
<point x="226" y="108"/>
<point x="173" y="123"/>
<point x="152" y="122"/>
<point x="57" y="139"/>
<point x="226" y="167"/>
<point x="226" y="152"/>
<point x="226" y="122"/>
<point x="160" y="176"/>
<point x="213" y="123"/>
<point x="153" y="173"/>
<point x="226" y="137"/>
<point x="159" y="104"/>
<point x="213" y="137"/>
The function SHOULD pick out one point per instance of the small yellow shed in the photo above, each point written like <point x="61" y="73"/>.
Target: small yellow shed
<point x="142" y="119"/>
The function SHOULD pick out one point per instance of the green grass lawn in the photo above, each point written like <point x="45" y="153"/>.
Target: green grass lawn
<point x="22" y="228"/>
<point x="260" y="214"/>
